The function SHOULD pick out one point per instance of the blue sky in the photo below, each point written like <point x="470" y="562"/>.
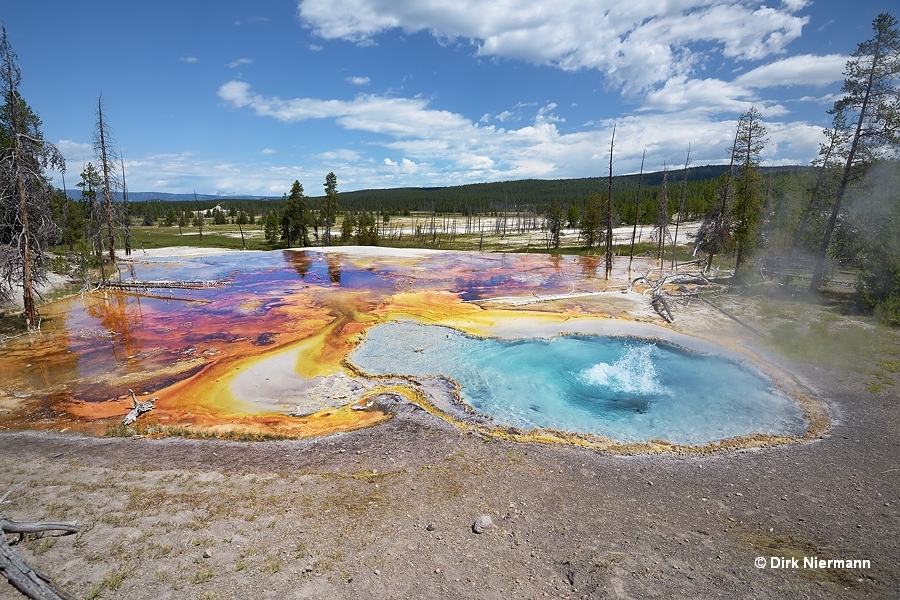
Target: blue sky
<point x="240" y="98"/>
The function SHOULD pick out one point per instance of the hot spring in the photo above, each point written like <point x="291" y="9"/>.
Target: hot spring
<point x="627" y="389"/>
<point x="266" y="350"/>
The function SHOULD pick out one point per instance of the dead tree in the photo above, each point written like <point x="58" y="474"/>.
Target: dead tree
<point x="609" y="223"/>
<point x="637" y="208"/>
<point x="126" y="219"/>
<point x="661" y="230"/>
<point x="102" y="145"/>
<point x="680" y="216"/>
<point x="28" y="580"/>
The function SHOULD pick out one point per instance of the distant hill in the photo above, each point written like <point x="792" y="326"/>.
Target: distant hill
<point x="538" y="191"/>
<point x="165" y="197"/>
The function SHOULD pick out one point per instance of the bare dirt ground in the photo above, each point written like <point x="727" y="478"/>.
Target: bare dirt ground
<point x="388" y="512"/>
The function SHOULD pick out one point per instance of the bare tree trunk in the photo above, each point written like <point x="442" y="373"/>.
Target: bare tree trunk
<point x="25" y="238"/>
<point x="609" y="231"/>
<point x="680" y="207"/>
<point x="107" y="183"/>
<point x="717" y="232"/>
<point x="27" y="281"/>
<point x="637" y="204"/>
<point x="127" y="221"/>
<point x="662" y="218"/>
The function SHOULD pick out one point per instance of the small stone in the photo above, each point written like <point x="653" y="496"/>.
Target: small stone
<point x="207" y="554"/>
<point x="429" y="527"/>
<point x="482" y="523"/>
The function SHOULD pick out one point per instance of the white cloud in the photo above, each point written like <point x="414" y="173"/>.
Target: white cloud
<point x="803" y="69"/>
<point x="343" y="155"/>
<point x="240" y="63"/>
<point x="359" y="80"/>
<point x="366" y="112"/>
<point x="708" y="96"/>
<point x="405" y="166"/>
<point x="188" y="59"/>
<point x="795" y="5"/>
<point x="637" y="44"/>
<point x="76" y="154"/>
<point x="444" y="148"/>
<point x="268" y="151"/>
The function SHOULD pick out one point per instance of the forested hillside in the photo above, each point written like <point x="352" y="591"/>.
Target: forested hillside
<point x="533" y="195"/>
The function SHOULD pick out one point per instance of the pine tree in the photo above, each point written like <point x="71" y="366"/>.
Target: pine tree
<point x="871" y="94"/>
<point x="591" y="224"/>
<point x="294" y="215"/>
<point x="330" y="207"/>
<point x="747" y="207"/>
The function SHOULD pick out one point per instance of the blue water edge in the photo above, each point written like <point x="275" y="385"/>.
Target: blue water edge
<point x="623" y="388"/>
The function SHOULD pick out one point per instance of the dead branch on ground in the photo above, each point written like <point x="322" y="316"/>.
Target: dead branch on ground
<point x="660" y="294"/>
<point x="28" y="580"/>
<point x="138" y="408"/>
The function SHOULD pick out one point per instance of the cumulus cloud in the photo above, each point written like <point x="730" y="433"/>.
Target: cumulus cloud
<point x="188" y="59"/>
<point x="240" y="63"/>
<point x="707" y="96"/>
<point x="356" y="80"/>
<point x="803" y="69"/>
<point x="441" y="147"/>
<point x="404" y="166"/>
<point x="636" y="45"/>
<point x="396" y="117"/>
<point x="713" y="96"/>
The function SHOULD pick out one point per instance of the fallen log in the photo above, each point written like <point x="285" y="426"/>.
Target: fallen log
<point x="164" y="284"/>
<point x="138" y="408"/>
<point x="28" y="580"/>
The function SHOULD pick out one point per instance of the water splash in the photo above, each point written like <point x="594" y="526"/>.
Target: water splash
<point x="633" y="373"/>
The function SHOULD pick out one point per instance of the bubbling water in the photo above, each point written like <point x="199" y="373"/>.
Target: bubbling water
<point x="623" y="388"/>
<point x="634" y="373"/>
